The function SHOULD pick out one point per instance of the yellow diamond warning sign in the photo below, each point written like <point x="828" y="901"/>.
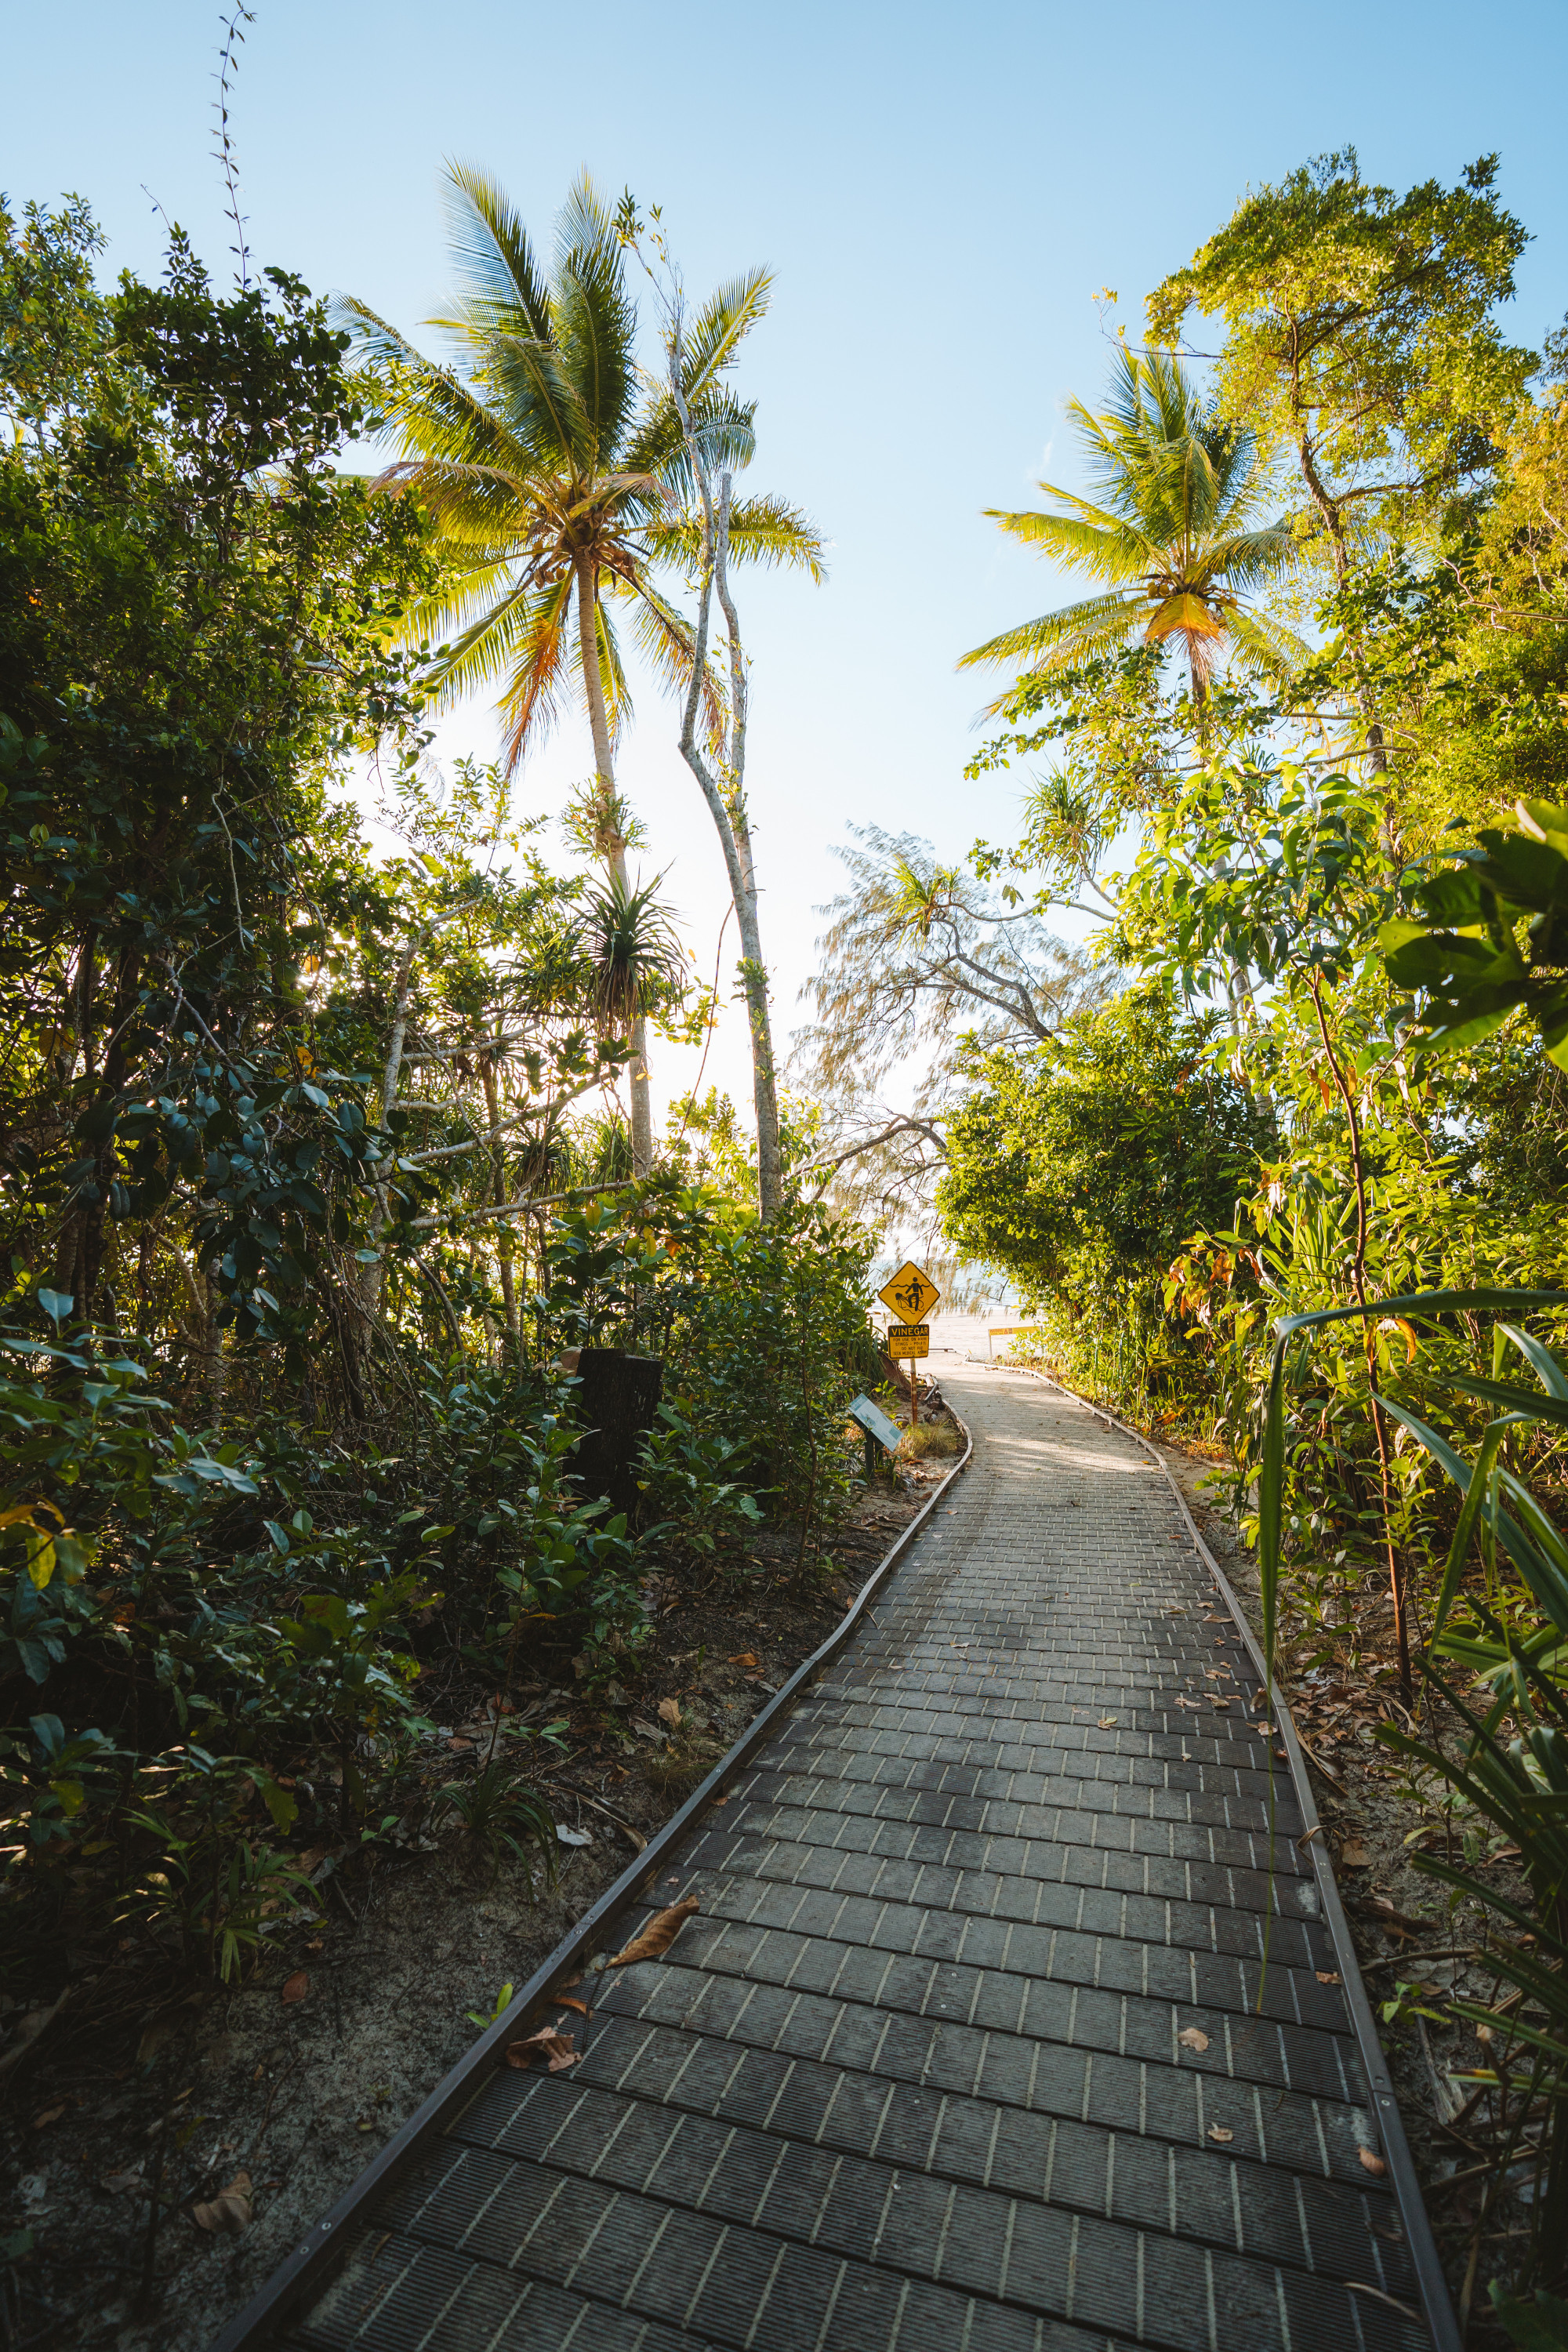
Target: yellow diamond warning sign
<point x="911" y="1293"/>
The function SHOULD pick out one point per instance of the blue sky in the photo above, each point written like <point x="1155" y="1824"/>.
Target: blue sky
<point x="941" y="191"/>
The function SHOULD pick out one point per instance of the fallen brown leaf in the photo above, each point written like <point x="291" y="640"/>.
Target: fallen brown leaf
<point x="1354" y="1855"/>
<point x="49" y="2115"/>
<point x="314" y="1856"/>
<point x="565" y="2001"/>
<point x="1107" y="1723"/>
<point x="1193" y="1706"/>
<point x="1220" y="1705"/>
<point x="669" y="1712"/>
<point x="745" y="1658"/>
<point x="1218" y="2132"/>
<point x="1373" y="2163"/>
<point x="1192" y="2037"/>
<point x="297" y="1987"/>
<point x="229" y="2212"/>
<point x="1328" y="1976"/>
<point x="547" y="2043"/>
<point x="657" y="1937"/>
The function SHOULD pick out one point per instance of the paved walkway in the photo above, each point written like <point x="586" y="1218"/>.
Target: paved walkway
<point x="961" y="2054"/>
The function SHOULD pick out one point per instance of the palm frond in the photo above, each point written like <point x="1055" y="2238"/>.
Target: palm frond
<point x="545" y="405"/>
<point x="504" y="283"/>
<point x="1266" y="645"/>
<point x="669" y="647"/>
<point x="713" y="340"/>
<point x="1175" y="511"/>
<point x="1067" y="636"/>
<point x="535" y="663"/>
<point x="1096" y="542"/>
<point x="724" y="426"/>
<point x="595" y="317"/>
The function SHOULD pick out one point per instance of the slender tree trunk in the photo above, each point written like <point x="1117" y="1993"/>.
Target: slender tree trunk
<point x="614" y="849"/>
<point x="373" y="1277"/>
<point x="727" y="804"/>
<point x="498" y="1172"/>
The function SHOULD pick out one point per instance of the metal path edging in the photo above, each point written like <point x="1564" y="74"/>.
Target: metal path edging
<point x="304" y="2271"/>
<point x="1436" y="2304"/>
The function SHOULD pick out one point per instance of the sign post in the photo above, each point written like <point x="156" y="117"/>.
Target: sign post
<point x="911" y="1293"/>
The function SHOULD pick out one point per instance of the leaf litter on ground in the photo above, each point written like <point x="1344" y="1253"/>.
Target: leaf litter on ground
<point x="229" y="2213"/>
<point x="548" y="2043"/>
<point x="657" y="1937"/>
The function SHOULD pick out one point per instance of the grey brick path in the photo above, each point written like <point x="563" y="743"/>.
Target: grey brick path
<point x="914" y="2081"/>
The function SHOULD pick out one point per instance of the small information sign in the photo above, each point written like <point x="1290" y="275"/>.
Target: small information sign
<point x="876" y="1423"/>
<point x="907" y="1339"/>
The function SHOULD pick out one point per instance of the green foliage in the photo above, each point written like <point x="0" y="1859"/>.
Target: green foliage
<point x="1359" y="330"/>
<point x="502" y="1814"/>
<point x="1082" y="1168"/>
<point x="1467" y="958"/>
<point x="685" y="1465"/>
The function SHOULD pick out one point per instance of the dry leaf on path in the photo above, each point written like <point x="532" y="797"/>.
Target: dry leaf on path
<point x="297" y="1987"/>
<point x="1192" y="2037"/>
<point x="747" y="1658"/>
<point x="1327" y="1976"/>
<point x="1193" y="1706"/>
<point x="1354" y="1855"/>
<point x="564" y="2000"/>
<point x="1373" y="2163"/>
<point x="657" y="1937"/>
<point x="547" y="2043"/>
<point x="1107" y="1723"/>
<point x="1218" y="2132"/>
<point x="669" y="1712"/>
<point x="229" y="2212"/>
<point x="1220" y="1705"/>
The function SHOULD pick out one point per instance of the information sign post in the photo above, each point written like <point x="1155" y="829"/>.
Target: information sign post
<point x="910" y="1295"/>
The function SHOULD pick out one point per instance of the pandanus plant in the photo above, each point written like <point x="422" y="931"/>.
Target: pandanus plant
<point x="1512" y="1767"/>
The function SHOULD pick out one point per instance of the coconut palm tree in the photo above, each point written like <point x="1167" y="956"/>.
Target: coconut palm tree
<point x="557" y="480"/>
<point x="1176" y="533"/>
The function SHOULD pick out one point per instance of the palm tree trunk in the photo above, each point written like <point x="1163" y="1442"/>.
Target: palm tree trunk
<point x="615" y="846"/>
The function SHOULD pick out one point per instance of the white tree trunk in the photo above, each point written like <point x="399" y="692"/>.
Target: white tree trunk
<point x="727" y="804"/>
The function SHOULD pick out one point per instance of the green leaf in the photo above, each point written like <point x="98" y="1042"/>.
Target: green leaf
<point x="1538" y="2326"/>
